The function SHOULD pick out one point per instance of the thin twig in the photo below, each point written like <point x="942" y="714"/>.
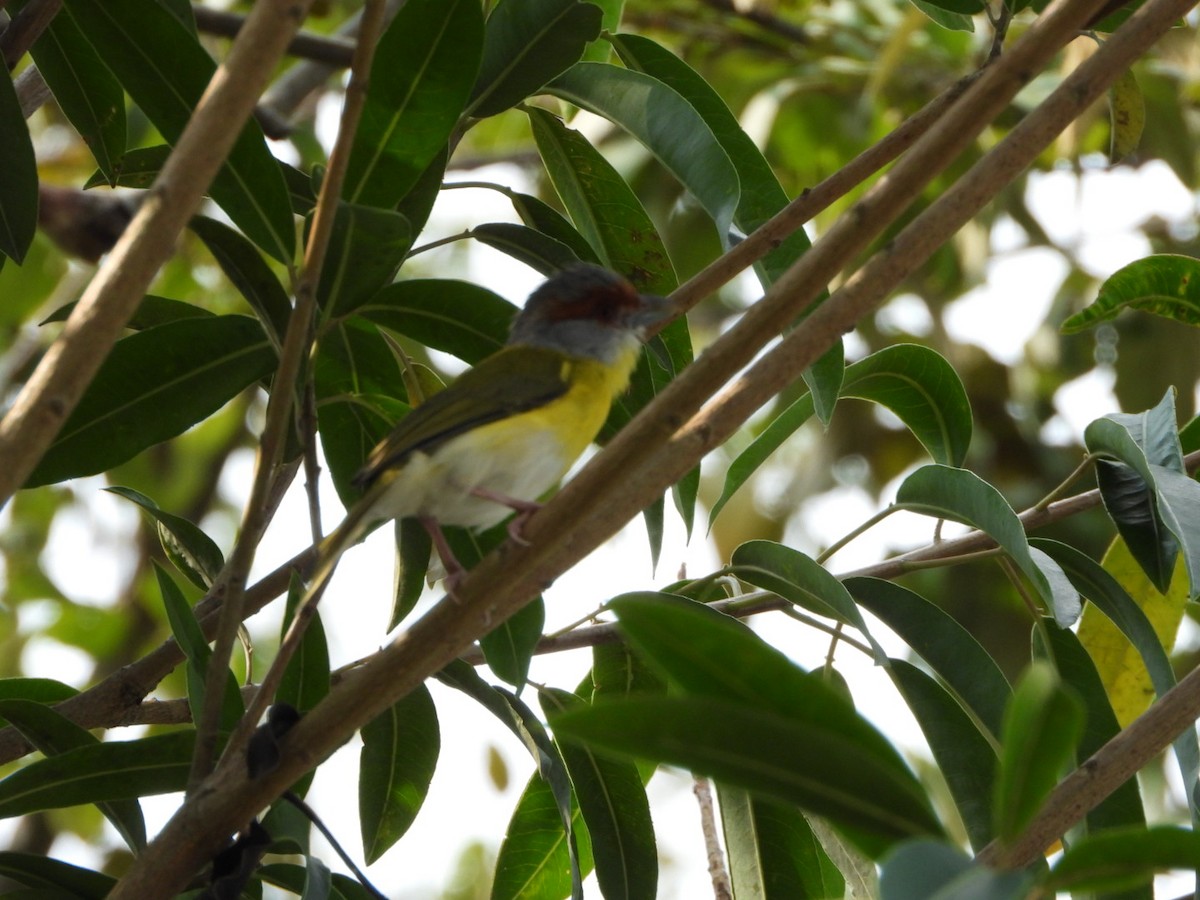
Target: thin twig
<point x="717" y="871"/>
<point x="299" y="337"/>
<point x="332" y="51"/>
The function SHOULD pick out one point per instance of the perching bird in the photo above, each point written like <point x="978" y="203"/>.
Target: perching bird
<point x="506" y="431"/>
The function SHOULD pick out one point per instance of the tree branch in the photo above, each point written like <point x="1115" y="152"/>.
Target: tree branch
<point x="100" y="316"/>
<point x="652" y="452"/>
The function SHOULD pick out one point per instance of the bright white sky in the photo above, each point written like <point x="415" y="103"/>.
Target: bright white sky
<point x="1094" y="215"/>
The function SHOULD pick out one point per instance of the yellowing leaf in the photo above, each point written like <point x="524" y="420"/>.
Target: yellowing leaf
<point x="1120" y="665"/>
<point x="1128" y="117"/>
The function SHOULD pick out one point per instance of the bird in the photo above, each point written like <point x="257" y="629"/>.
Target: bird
<point x="506" y="431"/>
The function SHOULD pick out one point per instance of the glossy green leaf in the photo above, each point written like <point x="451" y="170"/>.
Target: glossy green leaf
<point x="509" y="647"/>
<point x="152" y="310"/>
<point x="538" y="251"/>
<point x="356" y="376"/>
<point x="962" y="7"/>
<point x="1165" y="284"/>
<point x="187" y="633"/>
<point x="526" y="44"/>
<point x="249" y="272"/>
<point x="137" y="168"/>
<point x="114" y="770"/>
<point x="932" y="870"/>
<point x="365" y="251"/>
<point x="1123" y="807"/>
<point x="51" y="733"/>
<point x="801" y="580"/>
<point x="615" y="810"/>
<point x="535" y="857"/>
<point x="165" y="70"/>
<point x="49" y="875"/>
<point x="39" y="690"/>
<point x="1042" y="727"/>
<point x="154" y="385"/>
<point x="825" y="379"/>
<point x="1155" y="506"/>
<point x="915" y="383"/>
<point x="292" y="877"/>
<point x="1123" y="858"/>
<point x="962" y="496"/>
<point x="812" y="764"/>
<point x="538" y="849"/>
<point x="188" y="548"/>
<point x="772" y="851"/>
<point x="603" y="207"/>
<point x="964" y="755"/>
<point x="400" y="751"/>
<point x="305" y="681"/>
<point x="413" y="549"/>
<point x="423" y="72"/>
<point x="761" y="194"/>
<point x="550" y="222"/>
<point x="18" y="177"/>
<point x="84" y="88"/>
<point x="455" y="317"/>
<point x="1107" y="594"/>
<point x="666" y="124"/>
<point x="952" y="652"/>
<point x="954" y="21"/>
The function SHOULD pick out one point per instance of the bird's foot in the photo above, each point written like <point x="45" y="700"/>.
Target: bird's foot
<point x="524" y="509"/>
<point x="454" y="569"/>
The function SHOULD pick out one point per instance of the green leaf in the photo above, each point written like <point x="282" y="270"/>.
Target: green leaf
<point x="773" y="852"/>
<point x="137" y="168"/>
<point x="165" y="70"/>
<point x="153" y="386"/>
<point x="666" y="124"/>
<point x="963" y="496"/>
<point x="455" y="317"/>
<point x="413" y="548"/>
<point x="365" y="252"/>
<point x="538" y="251"/>
<point x="1165" y="284"/>
<point x="811" y="764"/>
<point x="1123" y="858"/>
<point x="953" y="21"/>
<point x="534" y="851"/>
<point x="1041" y="729"/>
<point x="292" y="877"/>
<point x="45" y="874"/>
<point x="152" y="310"/>
<point x="965" y="757"/>
<point x="1155" y="506"/>
<point x="1127" y="111"/>
<point x="825" y="378"/>
<point x="356" y="376"/>
<point x="305" y="681"/>
<point x="1123" y="807"/>
<point x="915" y="383"/>
<point x="18" y="177"/>
<point x="615" y="810"/>
<point x="550" y="222"/>
<point x="40" y="690"/>
<point x="761" y="194"/>
<point x="399" y="754"/>
<point x="509" y="647"/>
<point x="526" y="44"/>
<point x="187" y="633"/>
<point x="1106" y="593"/>
<point x="188" y="548"/>
<point x="951" y="651"/>
<point x="801" y="580"/>
<point x="84" y="88"/>
<point x="51" y="734"/>
<point x="603" y="207"/>
<point x="423" y="72"/>
<point x="933" y="870"/>
<point x="249" y="272"/>
<point x="114" y="770"/>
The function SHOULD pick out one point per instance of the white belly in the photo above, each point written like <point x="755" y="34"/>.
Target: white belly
<point x="523" y="467"/>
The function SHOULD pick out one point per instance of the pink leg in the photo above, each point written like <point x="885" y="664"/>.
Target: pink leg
<point x="454" y="569"/>
<point x="524" y="508"/>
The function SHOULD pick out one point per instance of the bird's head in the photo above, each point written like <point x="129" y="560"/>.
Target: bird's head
<point x="588" y="311"/>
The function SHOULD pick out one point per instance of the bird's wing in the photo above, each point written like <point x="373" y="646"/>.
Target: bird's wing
<point x="502" y="385"/>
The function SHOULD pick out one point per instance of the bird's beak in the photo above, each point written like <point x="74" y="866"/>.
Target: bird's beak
<point x="655" y="311"/>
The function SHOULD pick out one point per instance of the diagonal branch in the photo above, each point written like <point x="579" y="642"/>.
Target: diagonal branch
<point x="100" y="316"/>
<point x="661" y="444"/>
